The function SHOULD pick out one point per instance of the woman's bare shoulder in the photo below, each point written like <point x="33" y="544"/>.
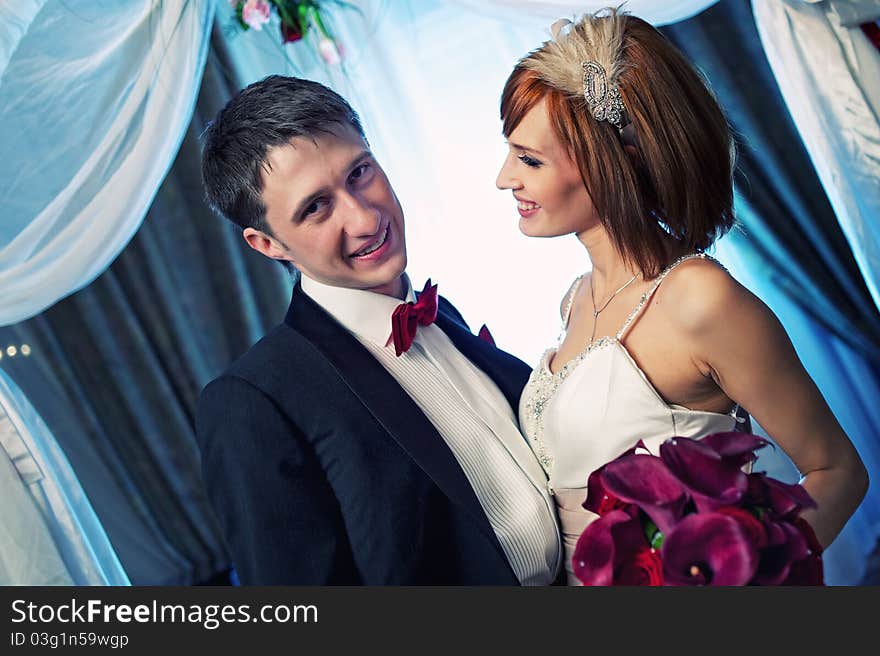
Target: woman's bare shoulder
<point x="700" y="292"/>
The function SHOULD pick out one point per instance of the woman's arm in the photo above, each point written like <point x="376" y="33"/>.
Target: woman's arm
<point x="742" y="345"/>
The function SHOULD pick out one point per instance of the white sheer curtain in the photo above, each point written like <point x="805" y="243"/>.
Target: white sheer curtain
<point x="50" y="534"/>
<point x="829" y="74"/>
<point x="656" y="12"/>
<point x="94" y="99"/>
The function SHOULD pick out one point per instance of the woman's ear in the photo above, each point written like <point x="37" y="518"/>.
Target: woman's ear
<point x="628" y="135"/>
<point x="630" y="145"/>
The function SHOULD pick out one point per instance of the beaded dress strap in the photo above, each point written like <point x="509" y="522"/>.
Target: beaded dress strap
<point x="643" y="301"/>
<point x="566" y="315"/>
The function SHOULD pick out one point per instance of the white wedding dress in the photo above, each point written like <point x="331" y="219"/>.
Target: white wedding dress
<point x="595" y="408"/>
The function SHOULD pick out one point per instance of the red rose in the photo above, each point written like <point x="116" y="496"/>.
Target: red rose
<point x="643" y="567"/>
<point x="751" y="524"/>
<point x="610" y="502"/>
<point x="290" y="33"/>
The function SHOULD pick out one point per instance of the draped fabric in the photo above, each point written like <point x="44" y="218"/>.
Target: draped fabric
<point x="851" y="13"/>
<point x="116" y="368"/>
<point x="829" y="74"/>
<point x="782" y="205"/>
<point x="850" y="385"/>
<point x="94" y="99"/>
<point x="792" y="253"/>
<point x="656" y="12"/>
<point x="50" y="534"/>
<point x="16" y="18"/>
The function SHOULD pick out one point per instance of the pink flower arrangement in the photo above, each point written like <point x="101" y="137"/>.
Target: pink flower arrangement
<point x="295" y="19"/>
<point x="254" y="13"/>
<point x="692" y="516"/>
<point x="329" y="51"/>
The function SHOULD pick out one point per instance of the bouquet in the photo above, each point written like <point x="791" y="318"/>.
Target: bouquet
<point x="693" y="516"/>
<point x="295" y="18"/>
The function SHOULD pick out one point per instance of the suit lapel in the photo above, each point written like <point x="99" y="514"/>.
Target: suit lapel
<point x="510" y="375"/>
<point x="392" y="407"/>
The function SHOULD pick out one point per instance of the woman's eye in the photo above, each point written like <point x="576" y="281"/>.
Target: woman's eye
<point x="529" y="161"/>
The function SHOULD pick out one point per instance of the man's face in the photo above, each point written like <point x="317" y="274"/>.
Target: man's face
<point x="332" y="213"/>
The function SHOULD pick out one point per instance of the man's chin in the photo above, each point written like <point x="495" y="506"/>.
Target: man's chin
<point x="391" y="283"/>
<point x="392" y="269"/>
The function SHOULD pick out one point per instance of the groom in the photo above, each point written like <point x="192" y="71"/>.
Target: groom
<point x="370" y="438"/>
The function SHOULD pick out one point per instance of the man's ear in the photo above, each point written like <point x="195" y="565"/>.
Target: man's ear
<point x="265" y="244"/>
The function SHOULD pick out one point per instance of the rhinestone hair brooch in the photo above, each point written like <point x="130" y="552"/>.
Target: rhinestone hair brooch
<point x="602" y="96"/>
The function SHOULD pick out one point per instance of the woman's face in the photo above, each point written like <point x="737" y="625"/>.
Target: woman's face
<point x="551" y="197"/>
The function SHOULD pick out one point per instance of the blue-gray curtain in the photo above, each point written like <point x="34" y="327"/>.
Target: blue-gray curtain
<point x="792" y="253"/>
<point x="786" y="215"/>
<point x="116" y="368"/>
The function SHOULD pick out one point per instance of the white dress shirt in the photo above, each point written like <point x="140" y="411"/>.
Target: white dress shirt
<point x="472" y="416"/>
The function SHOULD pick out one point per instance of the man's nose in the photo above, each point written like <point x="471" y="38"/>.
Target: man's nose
<point x="361" y="218"/>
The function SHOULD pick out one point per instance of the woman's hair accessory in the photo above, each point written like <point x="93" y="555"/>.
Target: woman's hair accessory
<point x="603" y="97"/>
<point x="584" y="59"/>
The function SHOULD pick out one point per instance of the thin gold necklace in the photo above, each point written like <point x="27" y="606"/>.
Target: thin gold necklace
<point x="605" y="304"/>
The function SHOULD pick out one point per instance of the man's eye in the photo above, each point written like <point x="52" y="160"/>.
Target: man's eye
<point x="529" y="161"/>
<point x="313" y="208"/>
<point x="360" y="172"/>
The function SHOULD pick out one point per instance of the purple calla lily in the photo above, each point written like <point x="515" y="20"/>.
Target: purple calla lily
<point x="708" y="549"/>
<point x="598" y="500"/>
<point x="693" y="517"/>
<point x="712" y="480"/>
<point x="736" y="448"/>
<point x="783" y="499"/>
<point x="603" y="544"/>
<point x="756" y="490"/>
<point x="787" y="545"/>
<point x="810" y="570"/>
<point x="646" y="481"/>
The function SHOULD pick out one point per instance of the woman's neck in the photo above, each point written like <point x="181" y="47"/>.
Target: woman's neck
<point x="610" y="270"/>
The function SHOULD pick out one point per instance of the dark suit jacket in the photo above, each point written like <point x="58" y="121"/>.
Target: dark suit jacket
<point x="322" y="470"/>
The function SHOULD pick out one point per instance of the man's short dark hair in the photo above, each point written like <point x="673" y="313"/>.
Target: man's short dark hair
<point x="265" y="114"/>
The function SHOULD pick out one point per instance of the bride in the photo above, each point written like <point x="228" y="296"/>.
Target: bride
<point x="615" y="138"/>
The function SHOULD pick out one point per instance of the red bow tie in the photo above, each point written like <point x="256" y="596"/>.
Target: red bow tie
<point x="408" y="316"/>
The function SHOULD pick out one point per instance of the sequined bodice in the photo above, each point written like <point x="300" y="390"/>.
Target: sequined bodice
<point x="600" y="404"/>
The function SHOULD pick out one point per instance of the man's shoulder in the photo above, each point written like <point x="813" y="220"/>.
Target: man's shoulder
<point x="280" y="342"/>
<point x="273" y="362"/>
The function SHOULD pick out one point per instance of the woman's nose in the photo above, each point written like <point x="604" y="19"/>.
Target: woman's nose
<point x="505" y="180"/>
